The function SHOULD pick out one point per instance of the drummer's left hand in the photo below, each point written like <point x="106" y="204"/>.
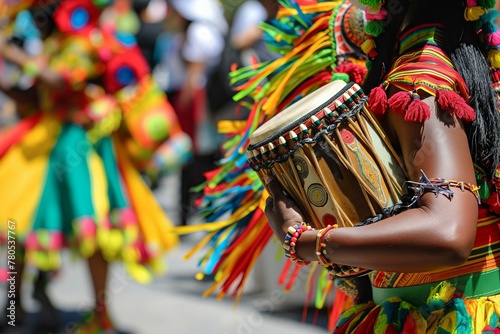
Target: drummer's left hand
<point x="280" y="210"/>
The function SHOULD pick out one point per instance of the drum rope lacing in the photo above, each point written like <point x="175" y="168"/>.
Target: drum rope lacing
<point x="328" y="130"/>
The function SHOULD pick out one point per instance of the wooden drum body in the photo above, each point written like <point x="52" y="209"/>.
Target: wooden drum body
<point x="331" y="156"/>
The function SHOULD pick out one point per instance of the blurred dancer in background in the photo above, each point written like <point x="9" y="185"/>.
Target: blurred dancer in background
<point x="92" y="118"/>
<point x="151" y="16"/>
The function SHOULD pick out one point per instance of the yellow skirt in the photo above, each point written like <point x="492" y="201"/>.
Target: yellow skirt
<point x="60" y="190"/>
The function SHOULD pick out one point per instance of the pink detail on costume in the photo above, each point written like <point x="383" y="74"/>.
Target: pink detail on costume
<point x="105" y="54"/>
<point x="472" y="3"/>
<point x="56" y="240"/>
<point x="31" y="241"/>
<point x="144" y="255"/>
<point x="380" y="15"/>
<point x="3" y="275"/>
<point x="87" y="227"/>
<point x="493" y="39"/>
<point x="128" y="217"/>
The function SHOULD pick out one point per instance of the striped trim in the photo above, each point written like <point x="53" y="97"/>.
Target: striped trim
<point x="423" y="65"/>
<point x="485" y="256"/>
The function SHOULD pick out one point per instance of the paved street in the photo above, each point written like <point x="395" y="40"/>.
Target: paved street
<point x="173" y="303"/>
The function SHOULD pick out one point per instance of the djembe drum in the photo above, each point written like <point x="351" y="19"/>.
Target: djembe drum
<point x="331" y="157"/>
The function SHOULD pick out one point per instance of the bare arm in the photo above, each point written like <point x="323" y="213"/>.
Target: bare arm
<point x="438" y="234"/>
<point x="17" y="56"/>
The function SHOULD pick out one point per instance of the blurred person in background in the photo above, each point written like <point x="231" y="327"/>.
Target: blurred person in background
<point x="191" y="51"/>
<point x="91" y="118"/>
<point x="151" y="14"/>
<point x="246" y="33"/>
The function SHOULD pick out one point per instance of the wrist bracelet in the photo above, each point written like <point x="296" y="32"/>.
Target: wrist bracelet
<point x="291" y="239"/>
<point x="333" y="268"/>
<point x="321" y="246"/>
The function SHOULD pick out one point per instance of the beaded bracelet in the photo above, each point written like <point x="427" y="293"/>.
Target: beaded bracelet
<point x="332" y="268"/>
<point x="321" y="246"/>
<point x="440" y="186"/>
<point x="291" y="239"/>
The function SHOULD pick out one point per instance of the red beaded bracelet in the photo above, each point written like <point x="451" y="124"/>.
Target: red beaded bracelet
<point x="291" y="238"/>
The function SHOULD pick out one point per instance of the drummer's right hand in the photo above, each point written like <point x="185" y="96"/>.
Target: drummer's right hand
<point x="281" y="210"/>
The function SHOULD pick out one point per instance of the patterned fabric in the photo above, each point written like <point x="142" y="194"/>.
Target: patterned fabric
<point x="422" y="67"/>
<point x="485" y="256"/>
<point x="444" y="312"/>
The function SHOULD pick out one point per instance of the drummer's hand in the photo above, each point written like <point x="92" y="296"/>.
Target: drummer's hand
<point x="281" y="211"/>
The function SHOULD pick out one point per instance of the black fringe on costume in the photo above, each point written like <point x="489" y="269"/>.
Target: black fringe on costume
<point x="464" y="48"/>
<point x="484" y="134"/>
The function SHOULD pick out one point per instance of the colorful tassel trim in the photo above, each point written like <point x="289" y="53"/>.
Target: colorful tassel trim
<point x="117" y="238"/>
<point x="427" y="70"/>
<point x="444" y="312"/>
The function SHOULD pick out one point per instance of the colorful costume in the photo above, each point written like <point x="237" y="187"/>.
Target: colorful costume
<point x="72" y="166"/>
<point x="319" y="42"/>
<point x="463" y="299"/>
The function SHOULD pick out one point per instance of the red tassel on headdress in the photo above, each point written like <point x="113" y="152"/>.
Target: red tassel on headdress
<point x="378" y="100"/>
<point x="450" y="101"/>
<point x="399" y="102"/>
<point x="418" y="110"/>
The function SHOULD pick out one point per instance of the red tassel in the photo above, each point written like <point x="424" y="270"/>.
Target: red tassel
<point x="418" y="111"/>
<point x="450" y="101"/>
<point x="338" y="306"/>
<point x="399" y="102"/>
<point x="493" y="203"/>
<point x="378" y="101"/>
<point x="355" y="72"/>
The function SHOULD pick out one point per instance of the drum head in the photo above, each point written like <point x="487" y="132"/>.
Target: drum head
<point x="294" y="114"/>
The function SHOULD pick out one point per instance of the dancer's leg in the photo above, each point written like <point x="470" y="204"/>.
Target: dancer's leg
<point x="99" y="319"/>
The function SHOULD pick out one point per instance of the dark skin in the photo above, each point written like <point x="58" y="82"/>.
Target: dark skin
<point x="438" y="234"/>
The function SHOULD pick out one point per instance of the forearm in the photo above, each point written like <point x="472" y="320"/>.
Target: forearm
<point x="42" y="72"/>
<point x="440" y="232"/>
<point x="416" y="240"/>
